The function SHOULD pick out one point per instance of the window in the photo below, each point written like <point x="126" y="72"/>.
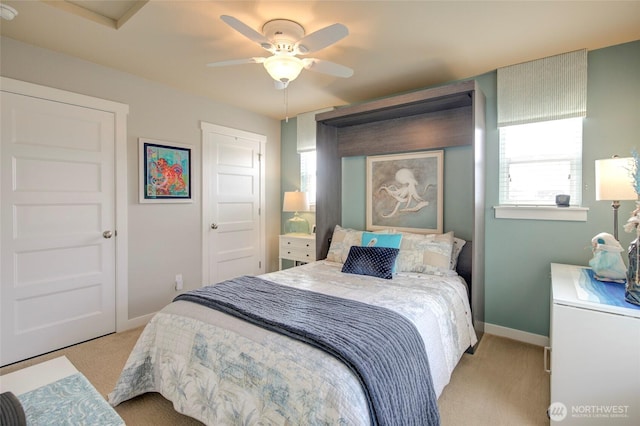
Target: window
<point x="308" y="175"/>
<point x="541" y="105"/>
<point x="306" y="147"/>
<point x="539" y="161"/>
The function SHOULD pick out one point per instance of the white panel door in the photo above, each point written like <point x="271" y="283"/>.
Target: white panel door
<point x="232" y="186"/>
<point x="57" y="264"/>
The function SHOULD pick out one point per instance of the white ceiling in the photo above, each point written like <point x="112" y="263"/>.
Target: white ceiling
<point x="393" y="46"/>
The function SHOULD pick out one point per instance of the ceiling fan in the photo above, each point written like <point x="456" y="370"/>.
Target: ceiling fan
<point x="286" y="39"/>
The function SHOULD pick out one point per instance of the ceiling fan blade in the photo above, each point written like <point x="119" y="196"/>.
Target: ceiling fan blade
<point x="247" y="31"/>
<point x="237" y="62"/>
<point x="327" y="67"/>
<point x="321" y="38"/>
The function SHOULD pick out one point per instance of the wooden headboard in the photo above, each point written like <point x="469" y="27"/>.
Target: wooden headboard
<point x="464" y="268"/>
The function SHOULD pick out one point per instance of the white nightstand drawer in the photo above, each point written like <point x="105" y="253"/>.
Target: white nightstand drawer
<point x="297" y="242"/>
<point x="299" y="248"/>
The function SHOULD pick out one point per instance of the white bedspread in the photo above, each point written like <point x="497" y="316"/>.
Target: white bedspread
<point x="221" y="370"/>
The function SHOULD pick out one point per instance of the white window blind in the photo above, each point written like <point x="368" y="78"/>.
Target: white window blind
<point x="545" y="89"/>
<point x="540" y="109"/>
<point x="308" y="175"/>
<point x="306" y="147"/>
<point x="306" y="130"/>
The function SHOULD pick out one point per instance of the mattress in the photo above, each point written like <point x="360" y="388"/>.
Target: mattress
<point x="222" y="370"/>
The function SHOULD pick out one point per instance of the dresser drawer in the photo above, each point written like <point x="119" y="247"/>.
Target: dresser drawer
<point x="594" y="352"/>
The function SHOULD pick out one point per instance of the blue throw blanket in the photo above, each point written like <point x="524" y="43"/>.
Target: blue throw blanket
<point x="385" y="351"/>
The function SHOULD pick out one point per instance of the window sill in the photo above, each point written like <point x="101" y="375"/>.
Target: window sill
<point x="575" y="214"/>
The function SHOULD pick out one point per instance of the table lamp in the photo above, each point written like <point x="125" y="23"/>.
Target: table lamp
<point x="296" y="202"/>
<point x="614" y="183"/>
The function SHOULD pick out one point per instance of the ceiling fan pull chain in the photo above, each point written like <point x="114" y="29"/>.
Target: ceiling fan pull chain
<point x="286" y="104"/>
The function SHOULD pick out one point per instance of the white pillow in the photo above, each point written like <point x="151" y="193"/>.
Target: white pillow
<point x="425" y="253"/>
<point x="341" y="242"/>
<point x="458" y="243"/>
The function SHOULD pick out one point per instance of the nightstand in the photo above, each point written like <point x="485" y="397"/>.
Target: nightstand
<point x="595" y="350"/>
<point x="297" y="247"/>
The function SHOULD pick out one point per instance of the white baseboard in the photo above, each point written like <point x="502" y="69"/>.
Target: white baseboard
<point x="519" y="335"/>
<point x="136" y="322"/>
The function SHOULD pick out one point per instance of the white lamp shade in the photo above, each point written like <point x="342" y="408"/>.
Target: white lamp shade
<point x="613" y="179"/>
<point x="295" y="202"/>
<point x="283" y="68"/>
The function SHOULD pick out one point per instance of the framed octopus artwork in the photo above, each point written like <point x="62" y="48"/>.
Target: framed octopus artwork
<point x="405" y="192"/>
<point x="165" y="172"/>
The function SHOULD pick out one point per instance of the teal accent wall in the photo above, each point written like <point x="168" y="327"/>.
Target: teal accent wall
<point x="518" y="252"/>
<point x="290" y="168"/>
<point x="289" y="163"/>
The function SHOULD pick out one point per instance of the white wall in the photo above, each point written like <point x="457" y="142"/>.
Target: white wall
<point x="164" y="239"/>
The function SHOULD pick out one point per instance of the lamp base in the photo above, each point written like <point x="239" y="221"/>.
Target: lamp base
<point x="297" y="225"/>
<point x="615" y="205"/>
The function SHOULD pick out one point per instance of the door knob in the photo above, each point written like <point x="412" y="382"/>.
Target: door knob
<point x="107" y="234"/>
<point x="214" y="226"/>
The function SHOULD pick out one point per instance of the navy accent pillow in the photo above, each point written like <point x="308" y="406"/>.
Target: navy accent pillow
<point x="373" y="261"/>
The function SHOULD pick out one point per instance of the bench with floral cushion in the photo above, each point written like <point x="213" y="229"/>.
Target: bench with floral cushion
<point x="53" y="392"/>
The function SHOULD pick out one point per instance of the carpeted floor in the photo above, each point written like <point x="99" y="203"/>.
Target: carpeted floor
<point x="503" y="383"/>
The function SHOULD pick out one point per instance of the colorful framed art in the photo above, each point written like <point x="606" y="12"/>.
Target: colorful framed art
<point x="165" y="172"/>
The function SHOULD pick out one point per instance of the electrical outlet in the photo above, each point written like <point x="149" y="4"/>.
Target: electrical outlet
<point x="179" y="282"/>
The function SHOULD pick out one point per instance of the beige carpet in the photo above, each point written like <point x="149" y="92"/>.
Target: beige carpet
<point x="503" y="383"/>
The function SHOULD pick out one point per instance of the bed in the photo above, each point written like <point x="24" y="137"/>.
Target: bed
<point x="225" y="369"/>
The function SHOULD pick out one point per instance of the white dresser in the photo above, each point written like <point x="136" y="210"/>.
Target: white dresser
<point x="595" y="351"/>
<point x="297" y="247"/>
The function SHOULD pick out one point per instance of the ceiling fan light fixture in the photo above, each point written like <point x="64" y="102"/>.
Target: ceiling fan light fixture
<point x="7" y="12"/>
<point x="285" y="39"/>
<point x="283" y="68"/>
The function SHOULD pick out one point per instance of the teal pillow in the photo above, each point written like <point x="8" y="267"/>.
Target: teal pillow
<point x="372" y="239"/>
